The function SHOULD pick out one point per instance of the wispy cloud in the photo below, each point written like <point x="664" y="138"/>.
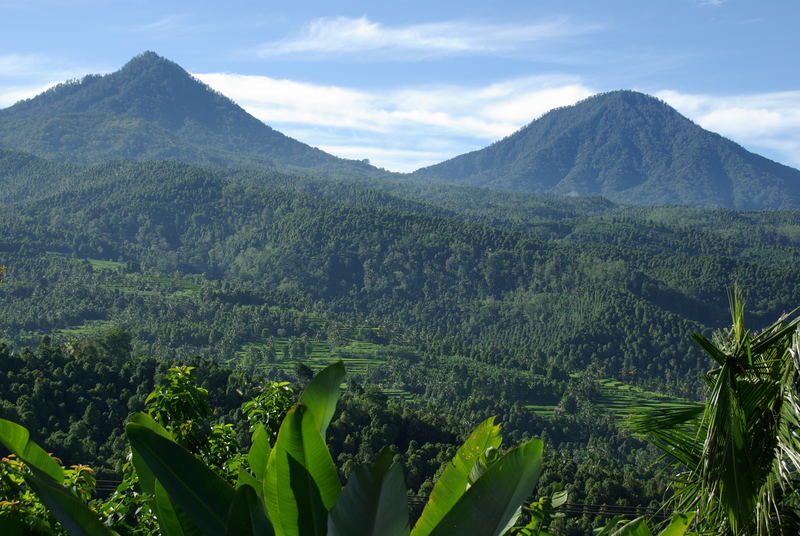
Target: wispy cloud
<point x="12" y="94"/>
<point x="177" y="23"/>
<point x="26" y="75"/>
<point x="764" y="122"/>
<point x="402" y="129"/>
<point x="347" y="35"/>
<point x="413" y="127"/>
<point x="33" y="65"/>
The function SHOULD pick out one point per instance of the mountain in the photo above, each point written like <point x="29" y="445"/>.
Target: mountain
<point x="628" y="147"/>
<point x="623" y="145"/>
<point x="152" y="109"/>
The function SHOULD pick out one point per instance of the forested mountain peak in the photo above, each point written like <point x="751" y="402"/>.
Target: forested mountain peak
<point x="629" y="147"/>
<point x="153" y="109"/>
<point x="148" y="86"/>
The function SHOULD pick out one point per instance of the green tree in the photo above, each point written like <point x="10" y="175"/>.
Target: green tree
<point x="181" y="407"/>
<point x="269" y="407"/>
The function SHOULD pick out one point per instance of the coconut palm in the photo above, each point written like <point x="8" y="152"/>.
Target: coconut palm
<point x="738" y="454"/>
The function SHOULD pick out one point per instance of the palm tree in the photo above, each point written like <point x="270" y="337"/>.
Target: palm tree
<point x="738" y="454"/>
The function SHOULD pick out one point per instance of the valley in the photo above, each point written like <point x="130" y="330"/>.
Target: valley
<point x="149" y="223"/>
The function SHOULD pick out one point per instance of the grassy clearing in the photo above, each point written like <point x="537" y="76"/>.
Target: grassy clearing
<point x="91" y="327"/>
<point x="357" y="356"/>
<point x="151" y="285"/>
<point x="619" y="399"/>
<point x="98" y="264"/>
<point x="542" y="410"/>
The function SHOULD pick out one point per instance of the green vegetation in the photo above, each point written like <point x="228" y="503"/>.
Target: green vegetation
<point x="152" y="109"/>
<point x="426" y="296"/>
<point x="612" y="397"/>
<point x="449" y="305"/>
<point x="285" y="485"/>
<point x="628" y="147"/>
<point x="738" y="455"/>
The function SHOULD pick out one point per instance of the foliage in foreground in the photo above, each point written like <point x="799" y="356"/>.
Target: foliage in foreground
<point x="738" y="454"/>
<point x="292" y="488"/>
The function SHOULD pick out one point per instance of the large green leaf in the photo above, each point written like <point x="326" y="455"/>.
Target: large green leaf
<point x="71" y="512"/>
<point x="171" y="520"/>
<point x="488" y="505"/>
<point x="322" y="394"/>
<point x="259" y="452"/>
<point x="245" y="478"/>
<point x="146" y="478"/>
<point x="637" y="527"/>
<point x="202" y="495"/>
<point x="301" y="482"/>
<point x="678" y="525"/>
<point x="14" y="527"/>
<point x="17" y="439"/>
<point x="373" y="503"/>
<point x="453" y="482"/>
<point x="247" y="516"/>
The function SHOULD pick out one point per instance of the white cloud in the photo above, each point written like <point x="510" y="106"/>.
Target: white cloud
<point x="407" y="128"/>
<point x="345" y="35"/>
<point x="19" y="64"/>
<point x="412" y="127"/>
<point x="169" y="24"/>
<point x="12" y="94"/>
<point x="32" y="66"/>
<point x="768" y="123"/>
<point x="393" y="159"/>
<point x="26" y="75"/>
<point x="403" y="129"/>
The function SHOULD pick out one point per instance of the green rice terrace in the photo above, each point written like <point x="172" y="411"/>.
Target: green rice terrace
<point x="619" y="399"/>
<point x="285" y="352"/>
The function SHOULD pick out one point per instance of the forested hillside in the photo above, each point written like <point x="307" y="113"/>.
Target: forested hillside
<point x="147" y="222"/>
<point x="628" y="147"/>
<point x="569" y="285"/>
<point x="625" y="146"/>
<point x="153" y="109"/>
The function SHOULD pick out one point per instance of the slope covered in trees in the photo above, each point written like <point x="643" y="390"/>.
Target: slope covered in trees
<point x="152" y="109"/>
<point x="623" y="145"/>
<point x="630" y="148"/>
<point x="453" y="300"/>
<point x="571" y="284"/>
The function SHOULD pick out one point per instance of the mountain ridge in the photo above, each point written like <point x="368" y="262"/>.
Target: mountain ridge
<point x="153" y="109"/>
<point x="631" y="148"/>
<point x="623" y="145"/>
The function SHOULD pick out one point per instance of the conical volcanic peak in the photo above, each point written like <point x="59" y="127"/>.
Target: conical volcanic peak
<point x="629" y="147"/>
<point x="153" y="109"/>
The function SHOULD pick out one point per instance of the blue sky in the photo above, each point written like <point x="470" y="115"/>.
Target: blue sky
<point x="413" y="83"/>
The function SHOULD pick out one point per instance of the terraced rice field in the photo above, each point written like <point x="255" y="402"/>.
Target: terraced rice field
<point x="542" y="410"/>
<point x="358" y="357"/>
<point x="619" y="399"/>
<point x="91" y="327"/>
<point x="98" y="264"/>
